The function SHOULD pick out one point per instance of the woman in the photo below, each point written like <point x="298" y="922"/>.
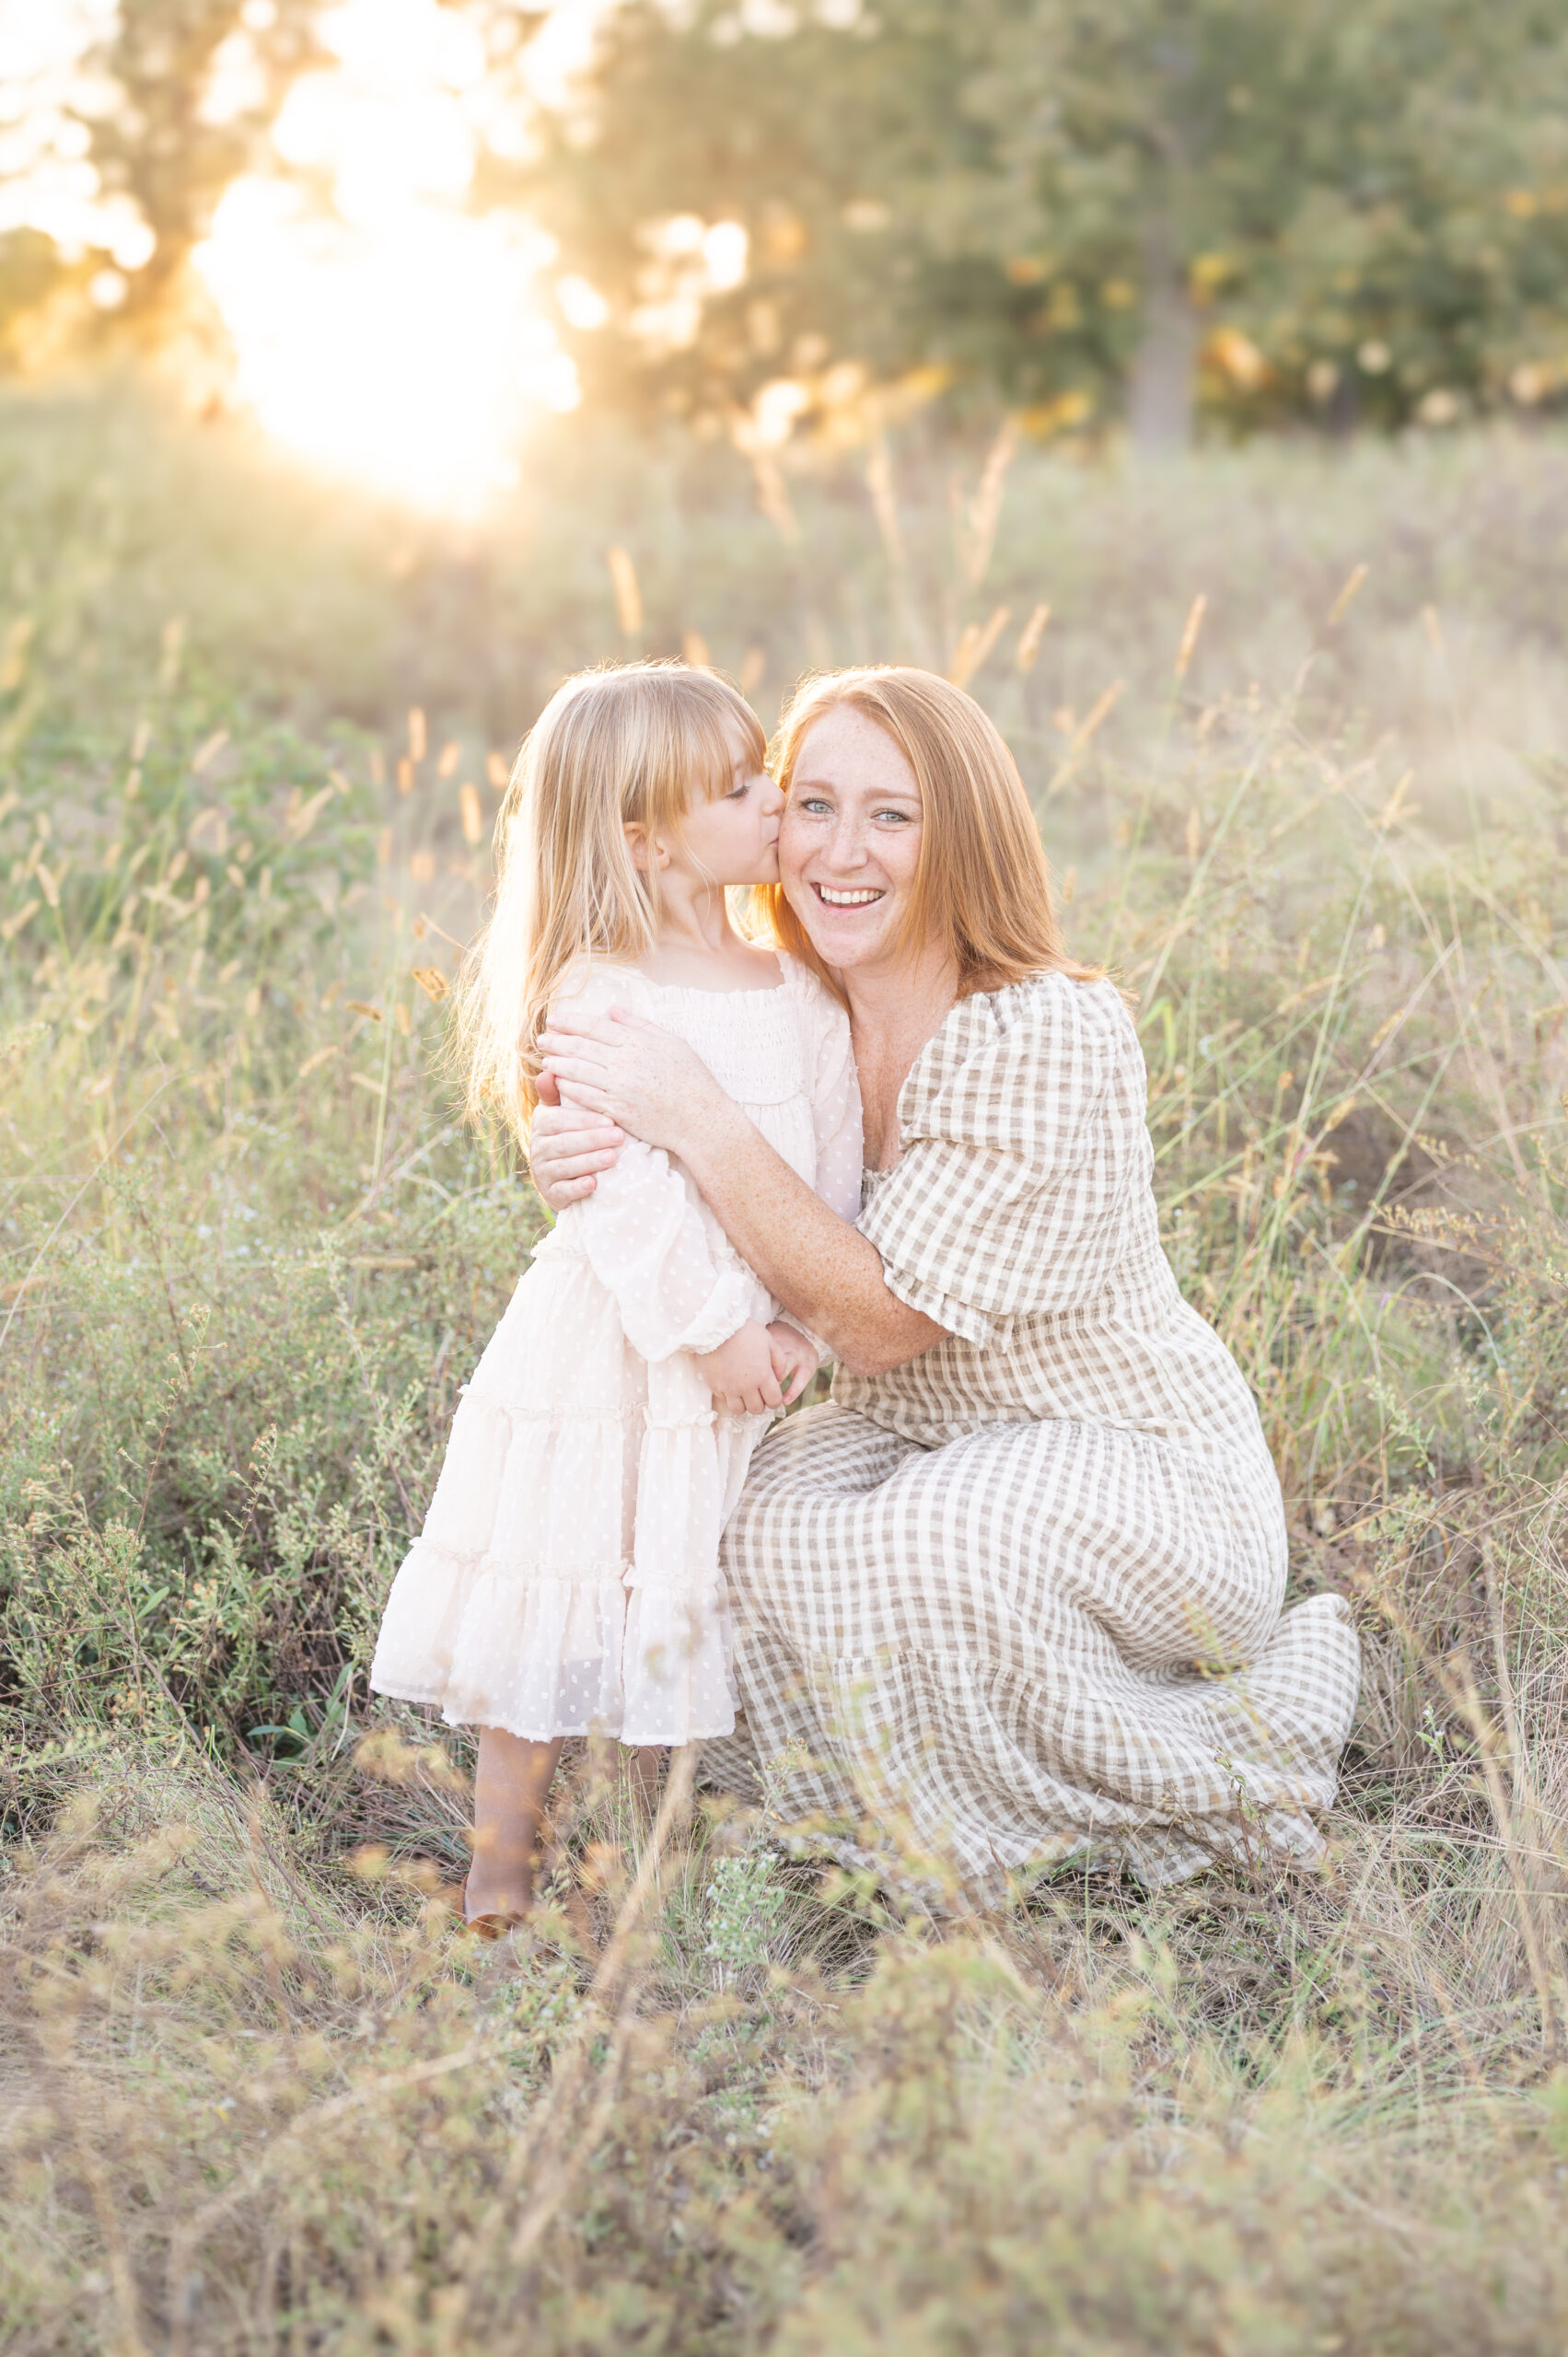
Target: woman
<point x="1017" y="1587"/>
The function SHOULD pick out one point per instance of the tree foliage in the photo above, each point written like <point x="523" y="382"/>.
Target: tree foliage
<point x="1349" y="206"/>
<point x="164" y="129"/>
<point x="165" y="142"/>
<point x="1338" y="208"/>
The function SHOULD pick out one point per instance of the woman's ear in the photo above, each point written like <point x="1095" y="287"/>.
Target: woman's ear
<point x="646" y="850"/>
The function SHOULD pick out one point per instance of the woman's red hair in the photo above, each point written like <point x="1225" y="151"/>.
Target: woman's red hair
<point x="982" y="886"/>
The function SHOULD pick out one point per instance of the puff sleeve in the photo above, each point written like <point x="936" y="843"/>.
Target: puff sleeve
<point x="1023" y="1142"/>
<point x="642" y="1228"/>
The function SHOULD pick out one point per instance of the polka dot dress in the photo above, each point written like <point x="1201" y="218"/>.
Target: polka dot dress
<point x="567" y="1577"/>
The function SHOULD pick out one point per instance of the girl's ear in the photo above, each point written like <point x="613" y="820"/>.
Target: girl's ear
<point x="646" y="850"/>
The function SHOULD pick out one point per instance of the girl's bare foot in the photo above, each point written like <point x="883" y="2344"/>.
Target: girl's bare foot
<point x="510" y="1789"/>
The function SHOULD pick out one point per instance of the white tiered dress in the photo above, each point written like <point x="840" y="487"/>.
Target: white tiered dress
<point x="567" y="1578"/>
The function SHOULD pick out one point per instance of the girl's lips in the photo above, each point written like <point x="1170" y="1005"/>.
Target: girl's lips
<point x="861" y="896"/>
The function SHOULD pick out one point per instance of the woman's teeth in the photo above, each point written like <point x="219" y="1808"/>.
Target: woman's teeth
<point x="861" y="900"/>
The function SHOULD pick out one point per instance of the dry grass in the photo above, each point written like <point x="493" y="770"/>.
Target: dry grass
<point x="256" y="2092"/>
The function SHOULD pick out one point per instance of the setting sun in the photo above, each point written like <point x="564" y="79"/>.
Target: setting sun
<point x="395" y="337"/>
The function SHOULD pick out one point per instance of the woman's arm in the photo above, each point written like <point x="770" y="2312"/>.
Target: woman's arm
<point x="821" y="1269"/>
<point x="824" y="1271"/>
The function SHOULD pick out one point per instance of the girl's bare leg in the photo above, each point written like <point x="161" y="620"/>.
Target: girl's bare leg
<point x="645" y="1773"/>
<point x="509" y="1793"/>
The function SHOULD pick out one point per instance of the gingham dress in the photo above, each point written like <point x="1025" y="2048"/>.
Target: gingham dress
<point x="1018" y="1600"/>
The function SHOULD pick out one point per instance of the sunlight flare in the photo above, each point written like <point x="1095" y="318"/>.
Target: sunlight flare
<point x="409" y="361"/>
<point x="395" y="337"/>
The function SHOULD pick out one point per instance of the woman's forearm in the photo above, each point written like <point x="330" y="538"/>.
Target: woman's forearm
<point x="824" y="1271"/>
<point x="820" y="1267"/>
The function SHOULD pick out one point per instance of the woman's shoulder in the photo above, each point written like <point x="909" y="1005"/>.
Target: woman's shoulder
<point x="1058" y="1002"/>
<point x="1050" y="1040"/>
<point x="1047" y="1015"/>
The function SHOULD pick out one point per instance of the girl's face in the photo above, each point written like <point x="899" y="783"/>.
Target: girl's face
<point x="848" y="848"/>
<point x="735" y="838"/>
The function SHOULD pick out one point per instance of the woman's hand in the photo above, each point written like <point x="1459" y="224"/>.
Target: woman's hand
<point x="566" y="1151"/>
<point x="629" y="1072"/>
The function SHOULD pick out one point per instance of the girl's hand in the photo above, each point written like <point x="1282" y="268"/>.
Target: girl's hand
<point x="739" y="1373"/>
<point x="795" y="1359"/>
<point x="629" y="1073"/>
<point x="566" y="1148"/>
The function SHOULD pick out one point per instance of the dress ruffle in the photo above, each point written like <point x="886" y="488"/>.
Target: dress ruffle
<point x="540" y="1657"/>
<point x="567" y="1578"/>
<point x="566" y="1581"/>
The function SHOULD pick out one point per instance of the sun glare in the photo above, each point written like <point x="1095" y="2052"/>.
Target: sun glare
<point x="407" y="356"/>
<point x="395" y="337"/>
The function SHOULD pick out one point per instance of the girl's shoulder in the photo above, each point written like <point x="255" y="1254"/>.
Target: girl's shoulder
<point x="591" y="983"/>
<point x="820" y="1013"/>
<point x="807" y="989"/>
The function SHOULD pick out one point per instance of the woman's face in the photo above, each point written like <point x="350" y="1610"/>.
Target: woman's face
<point x="849" y="844"/>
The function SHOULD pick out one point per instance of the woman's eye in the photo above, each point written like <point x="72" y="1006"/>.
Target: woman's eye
<point x="815" y="804"/>
<point x="901" y="817"/>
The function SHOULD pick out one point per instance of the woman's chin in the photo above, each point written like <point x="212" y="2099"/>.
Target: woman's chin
<point x="848" y="944"/>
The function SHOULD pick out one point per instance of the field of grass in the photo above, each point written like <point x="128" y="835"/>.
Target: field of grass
<point x="256" y="2094"/>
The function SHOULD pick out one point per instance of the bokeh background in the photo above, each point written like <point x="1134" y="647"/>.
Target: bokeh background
<point x="1187" y="378"/>
<point x="395" y="227"/>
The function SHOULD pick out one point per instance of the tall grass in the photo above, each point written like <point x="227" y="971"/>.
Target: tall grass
<point x="257" y="2093"/>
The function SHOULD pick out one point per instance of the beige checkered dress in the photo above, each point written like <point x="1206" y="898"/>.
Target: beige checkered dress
<point x="997" y="1598"/>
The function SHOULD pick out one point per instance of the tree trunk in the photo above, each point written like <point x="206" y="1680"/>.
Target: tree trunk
<point x="1162" y="385"/>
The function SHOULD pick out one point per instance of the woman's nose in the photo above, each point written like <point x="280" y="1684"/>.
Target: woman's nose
<point x="846" y="847"/>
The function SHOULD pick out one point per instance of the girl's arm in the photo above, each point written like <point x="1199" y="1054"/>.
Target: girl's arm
<point x="650" y="1085"/>
<point x="646" y="1241"/>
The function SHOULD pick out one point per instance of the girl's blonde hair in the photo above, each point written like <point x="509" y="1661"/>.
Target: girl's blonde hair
<point x="629" y="744"/>
<point x="982" y="886"/>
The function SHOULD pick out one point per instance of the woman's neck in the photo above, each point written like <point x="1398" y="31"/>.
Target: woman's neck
<point x="892" y="1014"/>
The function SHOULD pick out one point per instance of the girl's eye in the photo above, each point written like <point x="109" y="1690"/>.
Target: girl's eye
<point x="902" y="817"/>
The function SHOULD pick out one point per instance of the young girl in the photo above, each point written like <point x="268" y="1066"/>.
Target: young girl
<point x="567" y="1578"/>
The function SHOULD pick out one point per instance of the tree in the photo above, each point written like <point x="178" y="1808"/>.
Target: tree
<point x="1274" y="206"/>
<point x="865" y="183"/>
<point x="1339" y="188"/>
<point x="173" y="106"/>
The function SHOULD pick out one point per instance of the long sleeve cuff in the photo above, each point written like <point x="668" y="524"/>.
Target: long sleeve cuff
<point x="724" y="1313"/>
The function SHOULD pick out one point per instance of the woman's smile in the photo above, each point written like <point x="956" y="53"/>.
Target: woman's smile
<point x="853" y="810"/>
